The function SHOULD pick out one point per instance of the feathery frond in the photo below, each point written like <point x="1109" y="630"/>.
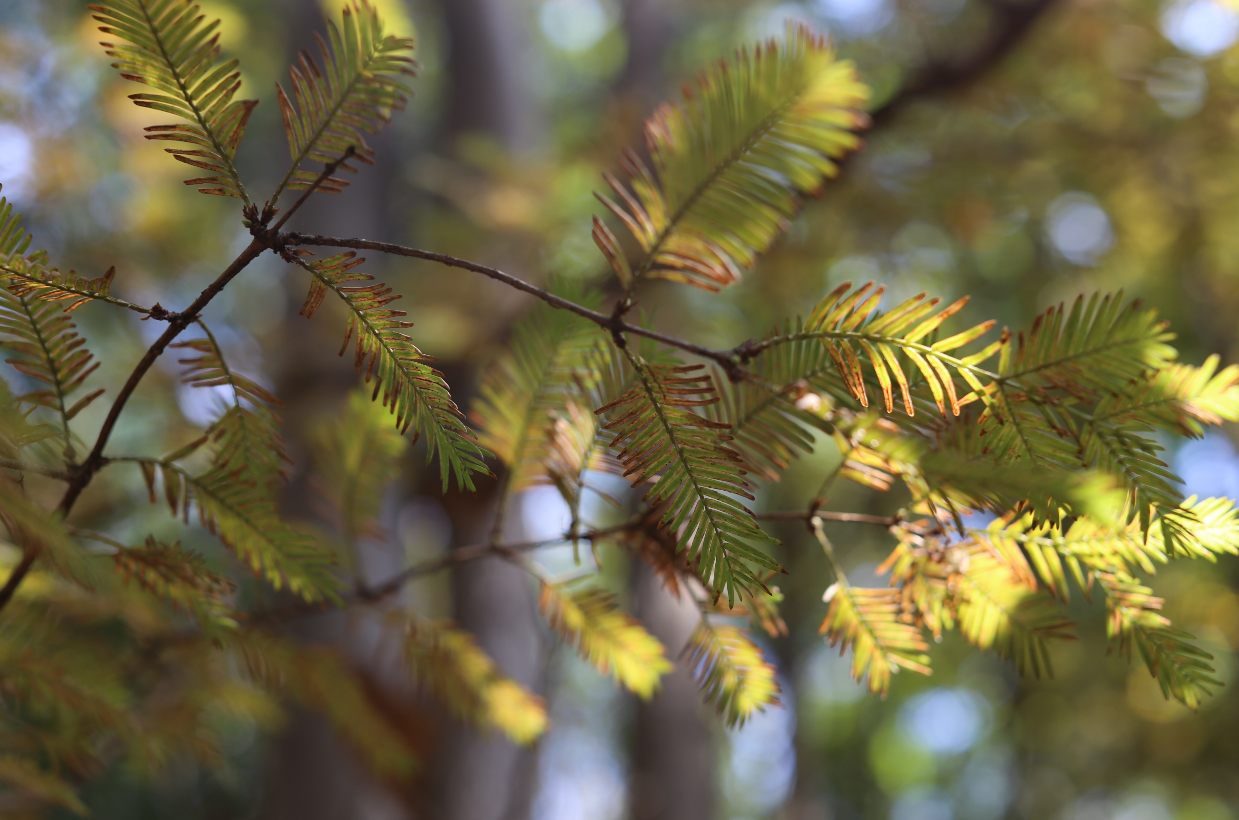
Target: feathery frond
<point x="867" y="621"/>
<point x="179" y="576"/>
<point x="24" y="272"/>
<point x="693" y="469"/>
<point x="576" y="444"/>
<point x="1178" y="398"/>
<point x="1000" y="608"/>
<point x="602" y="633"/>
<point x="248" y="522"/>
<point x="353" y="94"/>
<point x="1182" y="669"/>
<point x="357" y="455"/>
<point x="771" y="419"/>
<point x="449" y="663"/>
<point x="846" y="322"/>
<point x="413" y="390"/>
<point x="1099" y="347"/>
<point x="731" y="160"/>
<point x="324" y="680"/>
<point x="531" y="379"/>
<point x="50" y="351"/>
<point x="42" y="532"/>
<point x="733" y="673"/>
<point x="29" y="779"/>
<point x="18" y="432"/>
<point x="247" y="434"/>
<point x="177" y="56"/>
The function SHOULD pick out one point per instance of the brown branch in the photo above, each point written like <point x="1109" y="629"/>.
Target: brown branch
<point x="81" y="476"/>
<point x="1010" y="23"/>
<point x="852" y="518"/>
<point x="731" y="360"/>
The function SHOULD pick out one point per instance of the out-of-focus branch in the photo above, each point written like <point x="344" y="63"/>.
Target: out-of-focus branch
<point x="1010" y="23"/>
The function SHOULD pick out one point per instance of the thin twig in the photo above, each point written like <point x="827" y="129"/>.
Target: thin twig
<point x="264" y="238"/>
<point x="12" y="464"/>
<point x="331" y="168"/>
<point x="473" y="552"/>
<point x="731" y="360"/>
<point x="853" y="518"/>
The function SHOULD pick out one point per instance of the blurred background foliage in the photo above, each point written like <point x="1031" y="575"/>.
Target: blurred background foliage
<point x="1097" y="150"/>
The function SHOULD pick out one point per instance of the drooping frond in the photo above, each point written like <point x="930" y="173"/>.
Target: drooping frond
<point x="733" y="673"/>
<point x="575" y="444"/>
<point x="855" y="333"/>
<point x="1000" y="608"/>
<point x="354" y="93"/>
<point x="324" y="680"/>
<point x="1099" y="346"/>
<point x="693" y="469"/>
<point x="867" y="621"/>
<point x="1182" y="669"/>
<point x="731" y="160"/>
<point x="761" y="607"/>
<point x="18" y="432"/>
<point x="532" y="378"/>
<point x="172" y="51"/>
<point x="447" y="661"/>
<point x="1178" y="398"/>
<point x="180" y="577"/>
<point x="413" y="390"/>
<point x="25" y="272"/>
<point x="29" y="779"/>
<point x="774" y="416"/>
<point x="246" y="435"/>
<point x="41" y="532"/>
<point x="1092" y="546"/>
<point x="603" y="634"/>
<point x="659" y="547"/>
<point x="50" y="351"/>
<point x="357" y="455"/>
<point x="248" y="522"/>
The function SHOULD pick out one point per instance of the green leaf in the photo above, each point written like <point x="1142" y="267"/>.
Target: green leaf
<point x="693" y="470"/>
<point x="603" y="634"/>
<point x="354" y="93"/>
<point x="176" y="55"/>
<point x="731" y="160"/>
<point x="731" y="670"/>
<point x="413" y="390"/>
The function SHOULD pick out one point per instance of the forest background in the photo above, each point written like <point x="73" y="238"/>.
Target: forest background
<point x="1021" y="153"/>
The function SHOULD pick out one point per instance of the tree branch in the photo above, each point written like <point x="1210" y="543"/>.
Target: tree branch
<point x="852" y="518"/>
<point x="1011" y="22"/>
<point x="731" y="361"/>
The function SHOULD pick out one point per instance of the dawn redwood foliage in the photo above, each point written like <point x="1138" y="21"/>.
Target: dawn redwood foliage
<point x="112" y="649"/>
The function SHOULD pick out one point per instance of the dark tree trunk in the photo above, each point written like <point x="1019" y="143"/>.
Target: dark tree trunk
<point x="673" y="765"/>
<point x="485" y="777"/>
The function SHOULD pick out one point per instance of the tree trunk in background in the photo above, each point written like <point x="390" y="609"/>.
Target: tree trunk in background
<point x="673" y="750"/>
<point x="488" y="92"/>
<point x="673" y="765"/>
<point x="648" y="29"/>
<point x="485" y="777"/>
<point x="314" y="775"/>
